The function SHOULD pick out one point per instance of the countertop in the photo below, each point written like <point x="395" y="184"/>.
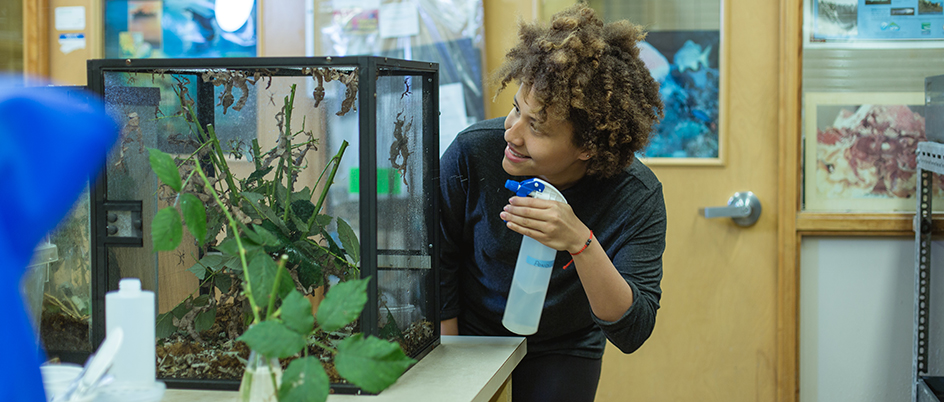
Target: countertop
<point x="460" y="369"/>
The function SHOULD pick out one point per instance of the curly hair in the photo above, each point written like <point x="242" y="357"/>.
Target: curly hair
<point x="590" y="74"/>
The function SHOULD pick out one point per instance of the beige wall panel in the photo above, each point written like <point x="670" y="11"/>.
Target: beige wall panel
<point x="501" y="33"/>
<point x="69" y="67"/>
<point x="282" y="28"/>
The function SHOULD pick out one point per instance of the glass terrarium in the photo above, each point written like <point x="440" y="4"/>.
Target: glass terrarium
<point x="57" y="286"/>
<point x="336" y="165"/>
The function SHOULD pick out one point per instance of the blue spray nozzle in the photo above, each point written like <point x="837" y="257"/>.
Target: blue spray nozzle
<point x="525" y="187"/>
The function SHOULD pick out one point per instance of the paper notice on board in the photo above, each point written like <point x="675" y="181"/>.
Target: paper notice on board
<point x="399" y="19"/>
<point x="71" y="42"/>
<point x="452" y="118"/>
<point x="355" y="4"/>
<point x="70" y="18"/>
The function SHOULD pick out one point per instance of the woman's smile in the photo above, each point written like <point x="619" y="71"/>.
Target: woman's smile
<point x="515" y="156"/>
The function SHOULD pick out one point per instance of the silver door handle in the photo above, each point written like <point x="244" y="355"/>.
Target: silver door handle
<point x="743" y="208"/>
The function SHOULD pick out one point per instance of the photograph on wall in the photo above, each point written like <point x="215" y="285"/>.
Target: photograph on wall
<point x="685" y="63"/>
<point x="180" y="28"/>
<point x="839" y="21"/>
<point x="860" y="151"/>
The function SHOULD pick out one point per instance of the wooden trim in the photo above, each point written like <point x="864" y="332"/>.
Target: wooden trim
<point x="788" y="294"/>
<point x="847" y="224"/>
<point x="686" y="162"/>
<point x="36" y="38"/>
<point x="827" y="233"/>
<point x="95" y="26"/>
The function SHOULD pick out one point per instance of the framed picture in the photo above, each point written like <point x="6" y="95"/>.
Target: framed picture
<point x="874" y="23"/>
<point x="686" y="65"/>
<point x="176" y="29"/>
<point x="860" y="151"/>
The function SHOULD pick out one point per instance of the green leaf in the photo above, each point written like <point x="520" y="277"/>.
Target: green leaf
<point x="300" y="256"/>
<point x="259" y="174"/>
<point x="215" y="222"/>
<point x="342" y="304"/>
<point x="391" y="330"/>
<point x="262" y="271"/>
<point x="194" y="215"/>
<point x="201" y="301"/>
<point x="204" y="320"/>
<point x="261" y="276"/>
<point x="262" y="237"/>
<point x="254" y="198"/>
<point x="165" y="325"/>
<point x="199" y="270"/>
<point x="223" y="282"/>
<point x="303" y="194"/>
<point x="280" y="191"/>
<point x="166" y="230"/>
<point x="349" y="240"/>
<point x="370" y="363"/>
<point x="304" y="380"/>
<point x="303" y="209"/>
<point x="181" y="309"/>
<point x="267" y="213"/>
<point x="296" y="313"/>
<point x="233" y="263"/>
<point x="229" y="246"/>
<point x="320" y="222"/>
<point x="301" y="227"/>
<point x="163" y="165"/>
<point x="212" y="260"/>
<point x="273" y="339"/>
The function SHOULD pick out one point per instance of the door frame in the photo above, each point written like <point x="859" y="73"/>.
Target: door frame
<point x="36" y="38"/>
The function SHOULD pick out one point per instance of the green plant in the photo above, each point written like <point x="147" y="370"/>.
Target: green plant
<point x="275" y="250"/>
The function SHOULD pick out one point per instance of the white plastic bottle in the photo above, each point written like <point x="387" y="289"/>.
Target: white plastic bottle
<point x="533" y="268"/>
<point x="132" y="310"/>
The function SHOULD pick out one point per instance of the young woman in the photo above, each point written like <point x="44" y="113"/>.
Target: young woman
<point x="585" y="105"/>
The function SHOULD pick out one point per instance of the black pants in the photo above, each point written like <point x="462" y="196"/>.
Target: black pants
<point x="555" y="377"/>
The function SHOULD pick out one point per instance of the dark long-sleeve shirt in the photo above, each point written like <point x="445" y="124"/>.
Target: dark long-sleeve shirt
<point x="626" y="213"/>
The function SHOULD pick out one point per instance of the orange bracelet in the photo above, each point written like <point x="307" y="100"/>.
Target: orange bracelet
<point x="590" y="240"/>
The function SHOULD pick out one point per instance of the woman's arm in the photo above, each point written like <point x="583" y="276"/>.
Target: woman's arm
<point x="449" y="327"/>
<point x="555" y="225"/>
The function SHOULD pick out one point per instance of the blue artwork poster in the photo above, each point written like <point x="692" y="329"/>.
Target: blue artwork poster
<point x="685" y="63"/>
<point x="845" y="20"/>
<point x="180" y="28"/>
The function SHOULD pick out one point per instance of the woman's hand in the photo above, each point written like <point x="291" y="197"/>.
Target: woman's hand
<point x="550" y="222"/>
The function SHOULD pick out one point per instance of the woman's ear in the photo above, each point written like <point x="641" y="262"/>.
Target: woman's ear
<point x="584" y="155"/>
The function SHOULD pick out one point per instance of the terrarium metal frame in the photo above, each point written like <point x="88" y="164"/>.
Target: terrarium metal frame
<point x="105" y="278"/>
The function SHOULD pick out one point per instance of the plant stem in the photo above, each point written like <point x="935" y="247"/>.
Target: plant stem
<point x="287" y="154"/>
<point x="275" y="287"/>
<point x="336" y="160"/>
<point x="323" y="346"/>
<point x="216" y="154"/>
<point x="223" y="166"/>
<point x="239" y="242"/>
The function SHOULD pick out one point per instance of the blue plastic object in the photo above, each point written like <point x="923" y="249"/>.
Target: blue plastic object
<point x="51" y="146"/>
<point x="525" y="187"/>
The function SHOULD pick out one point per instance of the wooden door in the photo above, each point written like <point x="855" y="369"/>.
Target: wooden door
<point x="716" y="333"/>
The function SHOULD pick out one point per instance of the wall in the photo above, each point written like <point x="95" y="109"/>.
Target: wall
<point x="856" y="318"/>
<point x="67" y="65"/>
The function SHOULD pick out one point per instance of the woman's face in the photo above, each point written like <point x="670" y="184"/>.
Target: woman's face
<point x="541" y="148"/>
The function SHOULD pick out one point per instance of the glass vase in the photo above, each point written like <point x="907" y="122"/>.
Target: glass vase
<point x="261" y="379"/>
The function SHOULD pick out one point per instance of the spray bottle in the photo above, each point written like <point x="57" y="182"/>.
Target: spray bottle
<point x="132" y="309"/>
<point x="533" y="269"/>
